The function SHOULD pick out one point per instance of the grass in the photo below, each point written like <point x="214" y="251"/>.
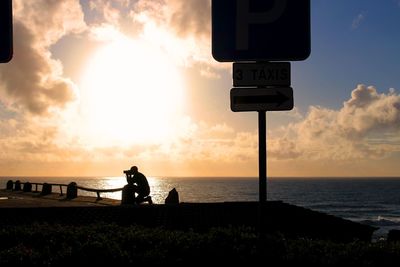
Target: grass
<point x="115" y="245"/>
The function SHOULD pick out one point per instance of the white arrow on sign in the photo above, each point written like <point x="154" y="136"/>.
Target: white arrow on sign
<point x="261" y="99"/>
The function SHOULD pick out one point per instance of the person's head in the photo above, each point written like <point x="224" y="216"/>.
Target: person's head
<point x="134" y="169"/>
<point x="131" y="171"/>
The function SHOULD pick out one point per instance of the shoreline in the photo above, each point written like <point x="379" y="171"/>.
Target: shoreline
<point x="20" y="199"/>
<point x="294" y="221"/>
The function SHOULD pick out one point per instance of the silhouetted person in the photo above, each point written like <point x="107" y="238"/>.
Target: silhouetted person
<point x="137" y="183"/>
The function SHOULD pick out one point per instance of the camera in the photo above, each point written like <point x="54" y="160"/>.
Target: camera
<point x="127" y="171"/>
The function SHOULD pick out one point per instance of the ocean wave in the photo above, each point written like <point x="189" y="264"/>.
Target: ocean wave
<point x="339" y="205"/>
<point x="382" y="221"/>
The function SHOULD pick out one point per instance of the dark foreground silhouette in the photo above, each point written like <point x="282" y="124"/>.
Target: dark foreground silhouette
<point x="104" y="244"/>
<point x="137" y="190"/>
<point x="290" y="220"/>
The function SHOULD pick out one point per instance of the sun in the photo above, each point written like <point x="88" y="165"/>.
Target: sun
<point x="131" y="92"/>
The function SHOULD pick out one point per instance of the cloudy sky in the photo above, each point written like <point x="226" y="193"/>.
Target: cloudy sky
<point x="96" y="86"/>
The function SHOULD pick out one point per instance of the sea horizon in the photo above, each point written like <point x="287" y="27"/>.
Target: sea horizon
<point x="207" y="176"/>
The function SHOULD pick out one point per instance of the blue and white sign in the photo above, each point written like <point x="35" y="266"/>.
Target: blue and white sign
<point x="260" y="30"/>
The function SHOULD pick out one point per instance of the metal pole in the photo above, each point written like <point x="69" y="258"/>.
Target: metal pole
<point x="262" y="156"/>
<point x="262" y="169"/>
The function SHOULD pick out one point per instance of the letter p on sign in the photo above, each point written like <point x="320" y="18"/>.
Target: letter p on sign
<point x="260" y="30"/>
<point x="244" y="18"/>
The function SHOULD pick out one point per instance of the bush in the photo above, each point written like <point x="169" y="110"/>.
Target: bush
<point x="102" y="243"/>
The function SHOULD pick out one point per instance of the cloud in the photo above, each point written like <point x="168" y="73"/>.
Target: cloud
<point x="367" y="111"/>
<point x="191" y="17"/>
<point x="115" y="13"/>
<point x="24" y="140"/>
<point x="366" y="127"/>
<point x="106" y="11"/>
<point x="33" y="80"/>
<point x="182" y="28"/>
<point x="33" y="83"/>
<point x="358" y="20"/>
<point x="188" y="22"/>
<point x="185" y="17"/>
<point x="32" y="140"/>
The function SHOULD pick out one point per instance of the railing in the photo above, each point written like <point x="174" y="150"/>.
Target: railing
<point x="72" y="188"/>
<point x="98" y="191"/>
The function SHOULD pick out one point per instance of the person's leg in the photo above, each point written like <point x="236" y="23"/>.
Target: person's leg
<point x="148" y="199"/>
<point x="139" y="199"/>
<point x="143" y="198"/>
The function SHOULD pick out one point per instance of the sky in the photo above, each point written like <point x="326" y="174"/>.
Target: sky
<point x="96" y="86"/>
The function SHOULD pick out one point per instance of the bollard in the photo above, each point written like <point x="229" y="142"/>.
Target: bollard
<point x="27" y="187"/>
<point x="72" y="190"/>
<point x="10" y="185"/>
<point x="46" y="189"/>
<point x="17" y="185"/>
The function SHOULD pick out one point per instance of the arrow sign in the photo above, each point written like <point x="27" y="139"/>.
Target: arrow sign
<point x="261" y="99"/>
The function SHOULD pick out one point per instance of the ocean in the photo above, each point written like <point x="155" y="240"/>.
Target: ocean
<point x="373" y="201"/>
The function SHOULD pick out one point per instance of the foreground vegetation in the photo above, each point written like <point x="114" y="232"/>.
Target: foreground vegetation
<point x="115" y="245"/>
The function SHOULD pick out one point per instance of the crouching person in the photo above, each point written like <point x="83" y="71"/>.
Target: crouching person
<point x="137" y="184"/>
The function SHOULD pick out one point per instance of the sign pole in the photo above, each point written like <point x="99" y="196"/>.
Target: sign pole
<point x="260" y="85"/>
<point x="262" y="157"/>
<point x="262" y="169"/>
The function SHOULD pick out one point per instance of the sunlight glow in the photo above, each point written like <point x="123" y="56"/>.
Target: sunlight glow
<point x="159" y="189"/>
<point x="131" y="92"/>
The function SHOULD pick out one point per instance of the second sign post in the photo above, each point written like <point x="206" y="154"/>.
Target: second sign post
<point x="258" y="35"/>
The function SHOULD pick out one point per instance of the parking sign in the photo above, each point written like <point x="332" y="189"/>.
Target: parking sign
<point x="260" y="30"/>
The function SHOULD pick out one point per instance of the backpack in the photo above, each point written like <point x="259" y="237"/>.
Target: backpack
<point x="173" y="197"/>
